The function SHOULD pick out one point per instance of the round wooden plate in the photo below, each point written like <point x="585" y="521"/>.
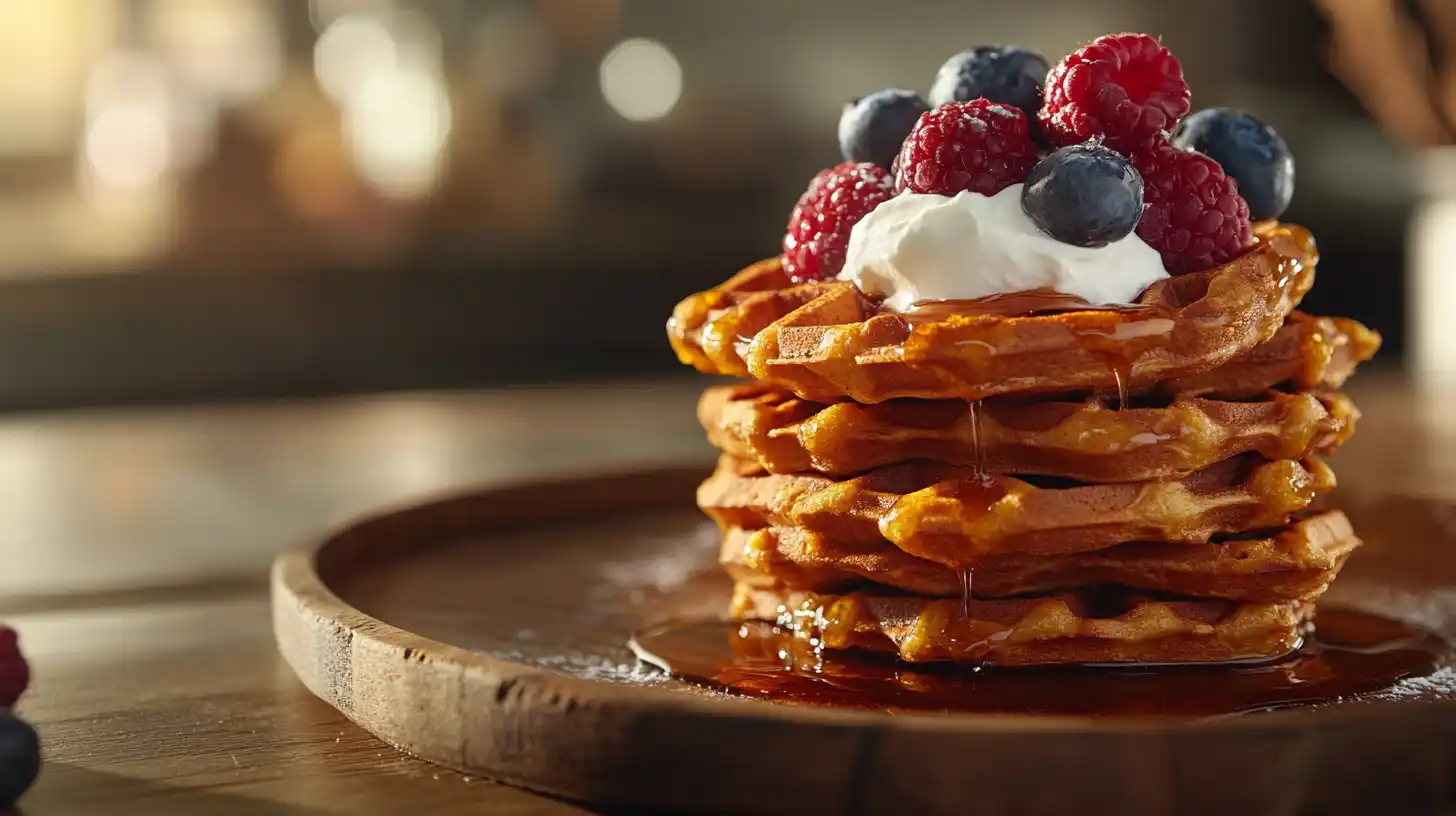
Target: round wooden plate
<point x="488" y="631"/>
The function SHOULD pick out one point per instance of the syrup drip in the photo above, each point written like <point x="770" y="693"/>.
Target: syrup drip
<point x="1349" y="653"/>
<point x="1122" y="379"/>
<point x="1010" y="304"/>
<point x="1121" y="335"/>
<point x="977" y="441"/>
<point x="982" y="477"/>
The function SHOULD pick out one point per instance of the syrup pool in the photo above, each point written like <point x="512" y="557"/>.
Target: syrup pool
<point x="1347" y="654"/>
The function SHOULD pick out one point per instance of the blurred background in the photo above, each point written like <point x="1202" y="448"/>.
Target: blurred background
<point x="208" y="200"/>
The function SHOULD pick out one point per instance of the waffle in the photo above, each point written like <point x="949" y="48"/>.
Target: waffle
<point x="824" y="341"/>
<point x="1017" y="482"/>
<point x="948" y="514"/>
<point x="1091" y="626"/>
<point x="1086" y="440"/>
<point x="1292" y="564"/>
<point x="1307" y="353"/>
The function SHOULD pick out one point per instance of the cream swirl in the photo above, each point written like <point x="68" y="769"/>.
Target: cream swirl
<point x="925" y="247"/>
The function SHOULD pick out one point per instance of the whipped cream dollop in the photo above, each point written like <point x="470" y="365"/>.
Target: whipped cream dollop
<point x="924" y="247"/>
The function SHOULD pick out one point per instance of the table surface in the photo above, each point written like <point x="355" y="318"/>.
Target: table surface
<point x="138" y="544"/>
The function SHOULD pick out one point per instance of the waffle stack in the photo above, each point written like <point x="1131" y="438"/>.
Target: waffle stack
<point x="1064" y="486"/>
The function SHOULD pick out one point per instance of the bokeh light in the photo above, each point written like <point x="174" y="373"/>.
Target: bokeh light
<point x="231" y="49"/>
<point x="140" y="126"/>
<point x="398" y="124"/>
<point x="351" y="50"/>
<point x="128" y="146"/>
<point x="641" y="80"/>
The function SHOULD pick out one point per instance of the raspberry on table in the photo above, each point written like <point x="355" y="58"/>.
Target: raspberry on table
<point x="980" y="146"/>
<point x="14" y="671"/>
<point x="1193" y="214"/>
<point x="1125" y="88"/>
<point x="818" y="234"/>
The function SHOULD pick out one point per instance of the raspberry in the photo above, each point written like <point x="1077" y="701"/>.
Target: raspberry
<point x="1126" y="88"/>
<point x="837" y="198"/>
<point x="14" y="673"/>
<point x="1193" y="214"/>
<point x="980" y="145"/>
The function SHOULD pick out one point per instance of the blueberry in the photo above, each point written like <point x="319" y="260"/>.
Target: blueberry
<point x="1085" y="195"/>
<point x="1000" y="73"/>
<point x="19" y="758"/>
<point x="1249" y="151"/>
<point x="872" y="129"/>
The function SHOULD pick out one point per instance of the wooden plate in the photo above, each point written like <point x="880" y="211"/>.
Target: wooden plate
<point x="487" y="632"/>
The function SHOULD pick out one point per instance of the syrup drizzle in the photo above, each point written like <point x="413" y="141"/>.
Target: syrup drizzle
<point x="1040" y="301"/>
<point x="1122" y="380"/>
<point x="1127" y="332"/>
<point x="978" y="445"/>
<point x="1349" y="653"/>
<point x="982" y="478"/>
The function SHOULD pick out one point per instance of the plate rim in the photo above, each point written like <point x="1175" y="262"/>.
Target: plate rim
<point x="301" y="598"/>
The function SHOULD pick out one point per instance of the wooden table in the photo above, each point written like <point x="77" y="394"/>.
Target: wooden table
<point x="137" y="546"/>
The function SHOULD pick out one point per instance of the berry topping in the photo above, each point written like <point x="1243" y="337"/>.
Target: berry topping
<point x="819" y="225"/>
<point x="14" y="672"/>
<point x="1193" y="214"/>
<point x="873" y="128"/>
<point x="1126" y="88"/>
<point x="1249" y="151"/>
<point x="19" y="758"/>
<point x="980" y="145"/>
<point x="1000" y="73"/>
<point x="1084" y="195"/>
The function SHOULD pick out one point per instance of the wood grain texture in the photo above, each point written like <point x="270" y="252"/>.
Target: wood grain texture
<point x="436" y="667"/>
<point x="137" y="542"/>
<point x="136" y="551"/>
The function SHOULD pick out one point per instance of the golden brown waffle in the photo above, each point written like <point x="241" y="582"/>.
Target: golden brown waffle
<point x="1295" y="563"/>
<point x="1307" y="353"/>
<point x="947" y="514"/>
<point x="824" y="341"/>
<point x="1087" y="440"/>
<point x="1081" y="627"/>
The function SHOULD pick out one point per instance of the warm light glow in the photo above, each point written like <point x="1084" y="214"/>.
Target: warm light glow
<point x="136" y="124"/>
<point x="127" y="76"/>
<point x="313" y="173"/>
<point x="1433" y="292"/>
<point x="228" y="48"/>
<point x="352" y="49"/>
<point x="128" y="146"/>
<point x="398" y="124"/>
<point x="324" y="12"/>
<point x="641" y="80"/>
<point x="48" y="48"/>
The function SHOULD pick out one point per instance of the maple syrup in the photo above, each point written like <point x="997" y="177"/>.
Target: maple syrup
<point x="1040" y="301"/>
<point x="1128" y="332"/>
<point x="1348" y="653"/>
<point x="978" y="441"/>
